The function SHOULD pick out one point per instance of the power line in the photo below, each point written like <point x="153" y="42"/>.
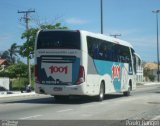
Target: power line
<point x="26" y="19"/>
<point x="26" y="16"/>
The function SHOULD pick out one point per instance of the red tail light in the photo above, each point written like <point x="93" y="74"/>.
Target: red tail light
<point x="81" y="76"/>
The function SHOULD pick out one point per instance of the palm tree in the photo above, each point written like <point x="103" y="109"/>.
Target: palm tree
<point x="5" y="55"/>
<point x="13" y="52"/>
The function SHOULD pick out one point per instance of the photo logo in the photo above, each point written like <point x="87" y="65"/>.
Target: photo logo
<point x="9" y="123"/>
<point x="55" y="69"/>
<point x="116" y="72"/>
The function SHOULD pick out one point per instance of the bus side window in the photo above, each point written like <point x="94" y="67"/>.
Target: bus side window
<point x="134" y="63"/>
<point x="95" y="51"/>
<point x="118" y="53"/>
<point x="127" y="59"/>
<point x="110" y="51"/>
<point x="105" y="55"/>
<point x="89" y="47"/>
<point x="110" y="54"/>
<point x="122" y="59"/>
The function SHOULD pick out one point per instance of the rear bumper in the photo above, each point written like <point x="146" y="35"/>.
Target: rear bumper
<point x="61" y="89"/>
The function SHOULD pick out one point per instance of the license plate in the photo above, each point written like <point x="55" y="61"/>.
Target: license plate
<point x="57" y="88"/>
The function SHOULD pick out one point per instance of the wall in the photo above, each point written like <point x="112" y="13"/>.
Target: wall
<point x="4" y="82"/>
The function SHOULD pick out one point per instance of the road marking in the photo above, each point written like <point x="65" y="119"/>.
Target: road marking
<point x="29" y="117"/>
<point x="156" y="118"/>
<point x="65" y="110"/>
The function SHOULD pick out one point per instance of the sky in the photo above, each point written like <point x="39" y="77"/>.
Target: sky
<point x="133" y="19"/>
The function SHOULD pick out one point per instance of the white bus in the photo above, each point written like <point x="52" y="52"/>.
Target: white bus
<point x="76" y="62"/>
<point x="139" y="69"/>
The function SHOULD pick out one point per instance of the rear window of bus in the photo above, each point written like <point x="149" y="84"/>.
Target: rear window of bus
<point x="58" y="40"/>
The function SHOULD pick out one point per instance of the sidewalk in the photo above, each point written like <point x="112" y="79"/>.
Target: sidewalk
<point x="152" y="83"/>
<point x="17" y="93"/>
<point x="148" y="83"/>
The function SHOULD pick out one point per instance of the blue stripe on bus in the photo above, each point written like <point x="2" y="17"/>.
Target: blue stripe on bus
<point x="105" y="67"/>
<point x="75" y="70"/>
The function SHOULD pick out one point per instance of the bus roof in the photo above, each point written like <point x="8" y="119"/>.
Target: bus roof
<point x="138" y="56"/>
<point x="108" y="38"/>
<point x="98" y="36"/>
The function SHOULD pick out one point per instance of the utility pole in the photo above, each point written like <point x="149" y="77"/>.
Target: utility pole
<point x="26" y="19"/>
<point x="115" y="35"/>
<point x="158" y="71"/>
<point x="101" y="16"/>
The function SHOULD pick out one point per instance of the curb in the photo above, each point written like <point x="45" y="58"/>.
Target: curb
<point x="147" y="83"/>
<point x="152" y="83"/>
<point x="17" y="95"/>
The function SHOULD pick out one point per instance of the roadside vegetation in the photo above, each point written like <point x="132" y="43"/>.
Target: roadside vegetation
<point x="16" y="69"/>
<point x="149" y="74"/>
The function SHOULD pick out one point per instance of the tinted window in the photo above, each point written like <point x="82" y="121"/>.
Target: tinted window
<point x="139" y="61"/>
<point x="58" y="40"/>
<point x="100" y="49"/>
<point x="123" y="54"/>
<point x="104" y="50"/>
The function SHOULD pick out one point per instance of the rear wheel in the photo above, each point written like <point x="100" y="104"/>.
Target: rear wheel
<point x="127" y="93"/>
<point x="100" y="96"/>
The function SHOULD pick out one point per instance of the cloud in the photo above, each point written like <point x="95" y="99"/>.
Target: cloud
<point x="76" y="21"/>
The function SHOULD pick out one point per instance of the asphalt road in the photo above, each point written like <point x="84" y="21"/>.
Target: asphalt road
<point x="144" y="103"/>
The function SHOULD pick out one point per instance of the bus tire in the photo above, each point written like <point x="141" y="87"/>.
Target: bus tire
<point x="101" y="94"/>
<point x="127" y="93"/>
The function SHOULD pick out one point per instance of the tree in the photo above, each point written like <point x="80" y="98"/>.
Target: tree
<point x="49" y="26"/>
<point x="27" y="49"/>
<point x="15" y="70"/>
<point x="18" y="71"/>
<point x="13" y="52"/>
<point x="5" y="55"/>
<point x="148" y="74"/>
<point x="151" y="77"/>
<point x="10" y="54"/>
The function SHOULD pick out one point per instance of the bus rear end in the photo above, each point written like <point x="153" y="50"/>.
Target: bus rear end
<point x="58" y="65"/>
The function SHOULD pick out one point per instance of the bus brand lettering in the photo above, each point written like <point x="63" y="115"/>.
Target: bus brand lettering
<point x="116" y="72"/>
<point x="55" y="69"/>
